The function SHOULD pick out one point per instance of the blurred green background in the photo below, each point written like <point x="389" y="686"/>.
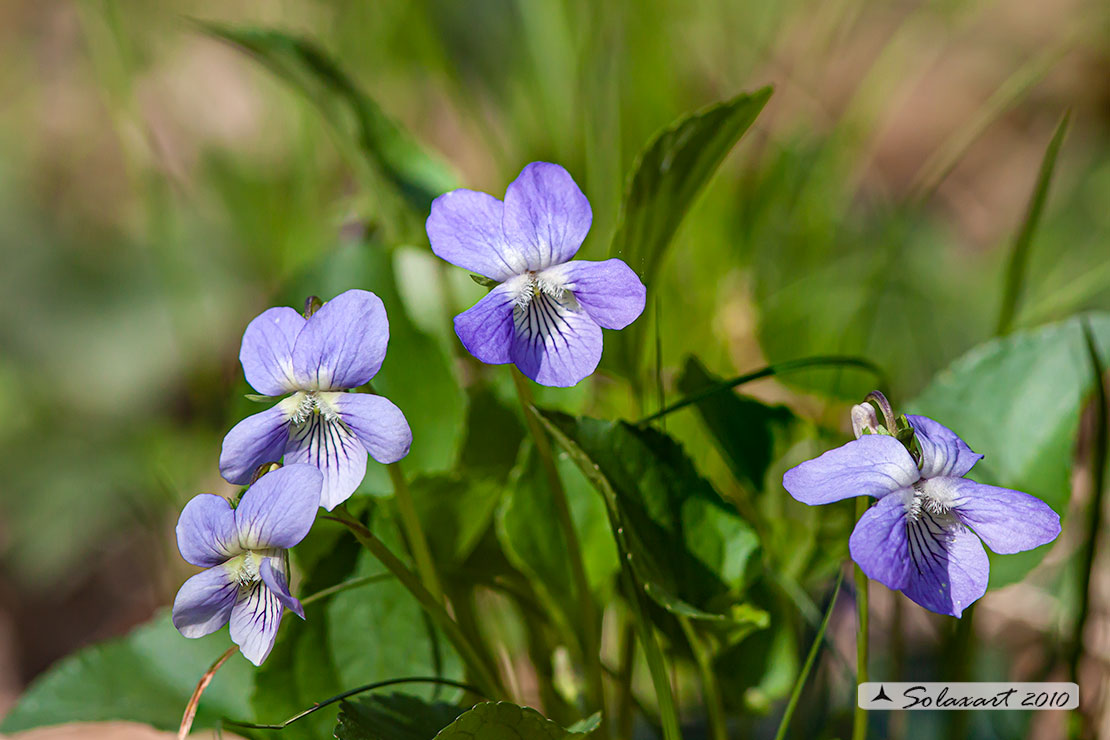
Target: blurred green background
<point x="159" y="188"/>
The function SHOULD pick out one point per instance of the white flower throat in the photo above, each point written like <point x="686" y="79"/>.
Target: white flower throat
<point x="245" y="568"/>
<point x="302" y="406"/>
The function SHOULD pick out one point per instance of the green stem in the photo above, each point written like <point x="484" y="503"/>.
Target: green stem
<point x="657" y="667"/>
<point x="353" y="583"/>
<point x="859" y="723"/>
<point x="348" y="694"/>
<point x="624" y="683"/>
<point x="1099" y="454"/>
<point x="591" y="639"/>
<point x="710" y="688"/>
<point x="808" y="666"/>
<point x="414" y="532"/>
<point x="486" y="675"/>
<point x="778" y="369"/>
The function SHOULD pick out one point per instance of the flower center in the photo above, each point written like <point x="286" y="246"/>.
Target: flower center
<point x="930" y="498"/>
<point x="533" y="286"/>
<point x="303" y="406"/>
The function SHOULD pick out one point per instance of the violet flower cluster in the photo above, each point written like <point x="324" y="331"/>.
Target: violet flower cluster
<point x="545" y="316"/>
<point x="924" y="536"/>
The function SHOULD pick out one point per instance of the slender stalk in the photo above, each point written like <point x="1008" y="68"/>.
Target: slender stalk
<point x="485" y="674"/>
<point x="1100" y="451"/>
<point x="859" y="722"/>
<point x="778" y="369"/>
<point x="625" y="699"/>
<point x="710" y="687"/>
<point x="414" y="532"/>
<point x="348" y="694"/>
<point x="352" y="583"/>
<point x="657" y="667"/>
<point x="796" y="694"/>
<point x="194" y="700"/>
<point x="591" y="638"/>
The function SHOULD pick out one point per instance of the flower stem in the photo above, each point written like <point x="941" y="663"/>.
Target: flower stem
<point x="710" y="687"/>
<point x="337" y="588"/>
<point x="796" y="694"/>
<point x="194" y="700"/>
<point x="591" y="639"/>
<point x="859" y="723"/>
<point x="485" y="675"/>
<point x="414" y="532"/>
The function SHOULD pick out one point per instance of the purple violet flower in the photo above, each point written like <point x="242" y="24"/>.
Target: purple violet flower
<point x="341" y="347"/>
<point x="244" y="553"/>
<point x="923" y="536"/>
<point x="547" y="313"/>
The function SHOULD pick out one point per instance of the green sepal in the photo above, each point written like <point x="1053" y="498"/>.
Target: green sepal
<point x="484" y="281"/>
<point x="259" y="398"/>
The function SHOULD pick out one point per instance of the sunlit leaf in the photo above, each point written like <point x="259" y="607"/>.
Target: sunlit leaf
<point x="393" y="717"/>
<point x="504" y="720"/>
<point x="147" y="676"/>
<point x="666" y="179"/>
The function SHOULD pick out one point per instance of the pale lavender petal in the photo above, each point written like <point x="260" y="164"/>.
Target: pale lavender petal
<point x="610" y="291"/>
<point x="278" y="510"/>
<point x="267" y="350"/>
<point x="206" y="534"/>
<point x="204" y="602"/>
<point x="254" y="621"/>
<point x="942" y="452"/>
<point x="343" y="344"/>
<point x="486" y="328"/>
<point x="464" y="229"/>
<point x="1007" y="521"/>
<point x="260" y="438"/>
<point x="949" y="566"/>
<point x="546" y="216"/>
<point x="378" y="423"/>
<point x="873" y="465"/>
<point x="274" y="578"/>
<point x="555" y="343"/>
<point x="878" y="543"/>
<point x="332" y="448"/>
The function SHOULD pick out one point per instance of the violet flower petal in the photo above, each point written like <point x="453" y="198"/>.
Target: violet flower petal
<point x="279" y="509"/>
<point x="1007" y="521"/>
<point x="260" y="438"/>
<point x="274" y="578"/>
<point x="878" y="543"/>
<point x="343" y="344"/>
<point x="546" y="216"/>
<point x="206" y="533"/>
<point x="486" y="328"/>
<point x="329" y="446"/>
<point x="555" y="342"/>
<point x="267" y="350"/>
<point x="378" y="423"/>
<point x="610" y="292"/>
<point x="873" y="465"/>
<point x="942" y="451"/>
<point x="464" y="228"/>
<point x="950" y="567"/>
<point x="254" y="621"/>
<point x="204" y="602"/>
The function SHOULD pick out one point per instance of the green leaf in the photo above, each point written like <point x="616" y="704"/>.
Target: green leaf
<point x="502" y="720"/>
<point x="535" y="545"/>
<point x="744" y="429"/>
<point x="1017" y="400"/>
<point x="666" y="179"/>
<point x="393" y="717"/>
<point x="493" y="436"/>
<point x="680" y="536"/>
<point x="393" y="159"/>
<point x="147" y="676"/>
<point x="417" y="374"/>
<point x="455" y="512"/>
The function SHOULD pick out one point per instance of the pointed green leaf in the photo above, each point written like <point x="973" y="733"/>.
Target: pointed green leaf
<point x="502" y="720"/>
<point x="666" y="179"/>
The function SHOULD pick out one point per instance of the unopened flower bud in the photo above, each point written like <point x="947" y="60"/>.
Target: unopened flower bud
<point x="864" y="420"/>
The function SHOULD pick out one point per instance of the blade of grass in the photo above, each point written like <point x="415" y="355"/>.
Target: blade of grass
<point x="1019" y="254"/>
<point x="1094" y="512"/>
<point x="780" y="368"/>
<point x="815" y="648"/>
